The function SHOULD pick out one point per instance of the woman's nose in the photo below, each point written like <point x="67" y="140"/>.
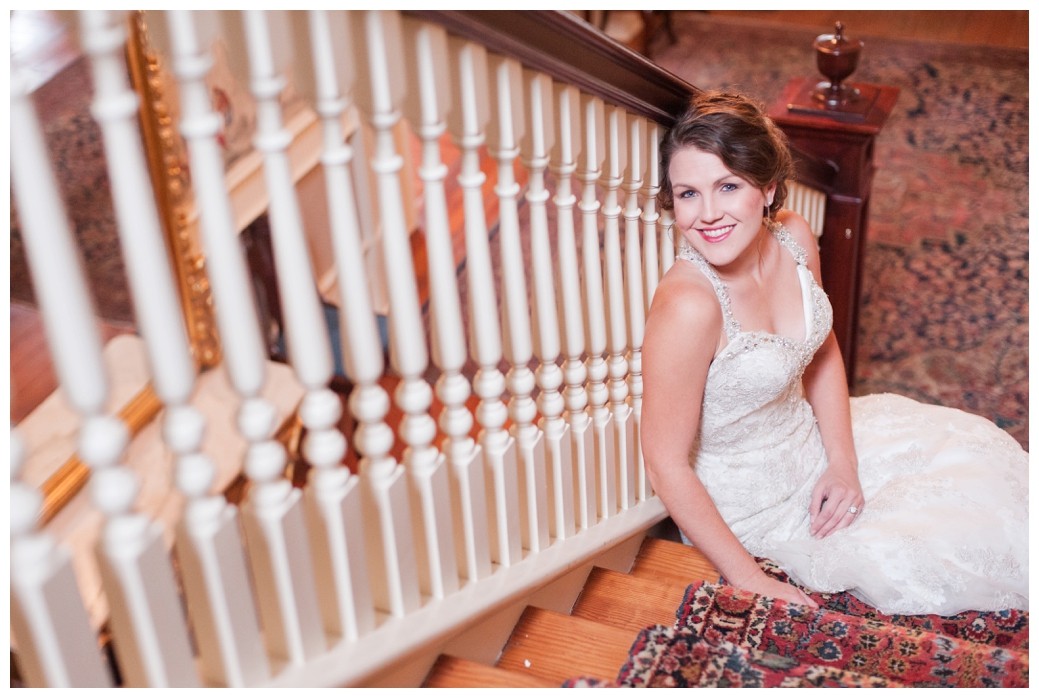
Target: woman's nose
<point x="709" y="209"/>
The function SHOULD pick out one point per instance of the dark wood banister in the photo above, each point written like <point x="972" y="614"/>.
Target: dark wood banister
<point x="574" y="52"/>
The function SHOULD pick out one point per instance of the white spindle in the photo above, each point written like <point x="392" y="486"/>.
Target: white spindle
<point x="48" y="619"/>
<point x="209" y="542"/>
<point x="150" y="632"/>
<point x="47" y="615"/>
<point x="428" y="476"/>
<point x="619" y="481"/>
<point x="633" y="484"/>
<point x="810" y="203"/>
<point x="334" y="496"/>
<point x="565" y="156"/>
<point x="467" y="122"/>
<point x="379" y="45"/>
<point x="537" y="144"/>
<point x="215" y="617"/>
<point x="507" y="128"/>
<point x="650" y="216"/>
<point x="427" y="107"/>
<point x="592" y="157"/>
<point x="273" y="516"/>
<point x="668" y="240"/>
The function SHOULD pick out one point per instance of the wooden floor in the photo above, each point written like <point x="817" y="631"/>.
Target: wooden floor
<point x="1005" y="28"/>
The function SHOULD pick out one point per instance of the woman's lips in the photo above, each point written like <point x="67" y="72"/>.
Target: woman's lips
<point x="715" y="234"/>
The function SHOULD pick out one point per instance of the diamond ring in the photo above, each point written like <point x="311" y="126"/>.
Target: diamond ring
<point x="853" y="510"/>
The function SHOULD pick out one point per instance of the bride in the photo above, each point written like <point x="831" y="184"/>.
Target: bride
<point x="748" y="431"/>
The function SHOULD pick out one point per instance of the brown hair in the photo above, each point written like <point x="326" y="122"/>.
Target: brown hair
<point x="737" y="130"/>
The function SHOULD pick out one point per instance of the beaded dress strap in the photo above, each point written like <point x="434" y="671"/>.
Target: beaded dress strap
<point x="687" y="251"/>
<point x="787" y="240"/>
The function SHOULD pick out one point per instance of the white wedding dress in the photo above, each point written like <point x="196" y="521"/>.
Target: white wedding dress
<point x="945" y="525"/>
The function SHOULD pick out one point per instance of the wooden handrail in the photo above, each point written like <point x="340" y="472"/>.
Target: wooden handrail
<point x="573" y="51"/>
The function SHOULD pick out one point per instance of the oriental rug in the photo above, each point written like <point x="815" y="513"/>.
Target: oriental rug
<point x="944" y="306"/>
<point x="726" y="637"/>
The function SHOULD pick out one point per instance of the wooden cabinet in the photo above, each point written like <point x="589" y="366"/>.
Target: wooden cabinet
<point x="847" y="141"/>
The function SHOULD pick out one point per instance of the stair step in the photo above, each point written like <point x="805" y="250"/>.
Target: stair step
<point x="455" y="672"/>
<point x="557" y="647"/>
<point x="628" y="602"/>
<point x="664" y="559"/>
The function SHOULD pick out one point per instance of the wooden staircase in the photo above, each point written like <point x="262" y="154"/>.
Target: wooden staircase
<point x="546" y="648"/>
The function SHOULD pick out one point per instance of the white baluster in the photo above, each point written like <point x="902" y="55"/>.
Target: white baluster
<point x="334" y="496"/>
<point x="56" y="645"/>
<point x="147" y="623"/>
<point x="426" y="107"/>
<point x="668" y="240"/>
<point x="594" y="131"/>
<point x="209" y="542"/>
<point x="273" y="516"/>
<point x="633" y="483"/>
<point x="379" y="43"/>
<point x="506" y="129"/>
<point x="618" y="490"/>
<point x="537" y="144"/>
<point x="467" y="123"/>
<point x="161" y="325"/>
<point x="47" y="614"/>
<point x="650" y="217"/>
<point x="565" y="155"/>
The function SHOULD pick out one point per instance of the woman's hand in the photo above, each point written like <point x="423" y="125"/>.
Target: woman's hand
<point x="770" y="586"/>
<point x="836" y="501"/>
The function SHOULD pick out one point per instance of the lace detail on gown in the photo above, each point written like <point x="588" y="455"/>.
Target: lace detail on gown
<point x="944" y="528"/>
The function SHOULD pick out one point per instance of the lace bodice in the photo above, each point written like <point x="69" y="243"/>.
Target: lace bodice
<point x="756" y="378"/>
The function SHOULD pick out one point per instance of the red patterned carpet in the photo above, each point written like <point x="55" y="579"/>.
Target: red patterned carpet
<point x="944" y="308"/>
<point x="726" y="637"/>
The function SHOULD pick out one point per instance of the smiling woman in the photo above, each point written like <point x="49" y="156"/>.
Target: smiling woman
<point x="744" y="382"/>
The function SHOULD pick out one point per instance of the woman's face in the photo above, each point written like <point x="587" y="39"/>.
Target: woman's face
<point x="718" y="212"/>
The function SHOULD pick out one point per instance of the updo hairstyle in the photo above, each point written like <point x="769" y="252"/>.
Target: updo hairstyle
<point x="738" y="131"/>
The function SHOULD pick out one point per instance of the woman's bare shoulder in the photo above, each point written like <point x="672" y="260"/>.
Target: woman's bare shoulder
<point x="685" y="299"/>
<point x="798" y="227"/>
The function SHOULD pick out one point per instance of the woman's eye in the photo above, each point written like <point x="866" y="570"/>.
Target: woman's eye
<point x="729" y="186"/>
<point x="687" y="194"/>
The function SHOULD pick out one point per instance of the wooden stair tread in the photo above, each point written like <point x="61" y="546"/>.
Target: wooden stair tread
<point x="629" y="602"/>
<point x="665" y="559"/>
<point x="558" y="647"/>
<point x="455" y="672"/>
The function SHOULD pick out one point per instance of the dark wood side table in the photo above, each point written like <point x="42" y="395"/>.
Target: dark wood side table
<point x="847" y="141"/>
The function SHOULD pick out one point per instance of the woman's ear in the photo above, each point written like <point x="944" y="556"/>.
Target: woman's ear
<point x="770" y="194"/>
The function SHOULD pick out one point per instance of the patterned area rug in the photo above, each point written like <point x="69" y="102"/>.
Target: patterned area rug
<point x="726" y="637"/>
<point x="77" y="154"/>
<point x="944" y="307"/>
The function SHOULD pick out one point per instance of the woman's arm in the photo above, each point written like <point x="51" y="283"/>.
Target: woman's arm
<point x="682" y="333"/>
<point x="826" y="388"/>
